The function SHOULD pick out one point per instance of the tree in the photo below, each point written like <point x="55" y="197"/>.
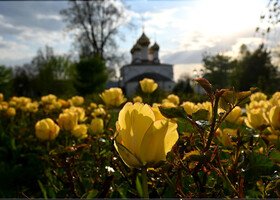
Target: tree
<point x="5" y="80"/>
<point x="97" y="23"/>
<point x="53" y="73"/>
<point x="183" y="86"/>
<point x="256" y="70"/>
<point x="91" y="76"/>
<point x="218" y="69"/>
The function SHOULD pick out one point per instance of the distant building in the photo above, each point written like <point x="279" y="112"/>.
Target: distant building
<point x="145" y="63"/>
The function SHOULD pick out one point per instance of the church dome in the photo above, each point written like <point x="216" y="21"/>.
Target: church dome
<point x="155" y="47"/>
<point x="143" y="40"/>
<point x="136" y="47"/>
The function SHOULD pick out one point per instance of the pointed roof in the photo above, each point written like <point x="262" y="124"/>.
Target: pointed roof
<point x="155" y="47"/>
<point x="135" y="47"/>
<point x="143" y="40"/>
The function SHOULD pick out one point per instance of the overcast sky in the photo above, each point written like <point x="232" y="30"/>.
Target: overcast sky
<point x="183" y="29"/>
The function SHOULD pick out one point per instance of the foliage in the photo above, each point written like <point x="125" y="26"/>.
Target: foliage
<point x="47" y="73"/>
<point x="54" y="73"/>
<point x="249" y="69"/>
<point x="207" y="161"/>
<point x="5" y="80"/>
<point x="218" y="68"/>
<point x="90" y="76"/>
<point x="183" y="87"/>
<point x="255" y="69"/>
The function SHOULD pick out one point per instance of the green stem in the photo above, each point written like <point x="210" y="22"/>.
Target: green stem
<point x="145" y="183"/>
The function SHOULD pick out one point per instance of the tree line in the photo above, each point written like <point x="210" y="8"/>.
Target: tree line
<point x="48" y="73"/>
<point x="249" y="69"/>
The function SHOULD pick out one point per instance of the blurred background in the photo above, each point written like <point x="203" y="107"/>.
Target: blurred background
<point x="80" y="47"/>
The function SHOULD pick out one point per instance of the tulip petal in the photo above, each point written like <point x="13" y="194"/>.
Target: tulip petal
<point x="142" y="117"/>
<point x="128" y="158"/>
<point x="158" y="141"/>
<point x="124" y="125"/>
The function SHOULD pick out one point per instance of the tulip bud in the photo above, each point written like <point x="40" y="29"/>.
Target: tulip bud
<point x="77" y="101"/>
<point x="274" y="117"/>
<point x="80" y="131"/>
<point x="189" y="107"/>
<point x="255" y="118"/>
<point x="234" y="115"/>
<point x="137" y="99"/>
<point x="96" y="126"/>
<point x="148" y="85"/>
<point x="174" y="99"/>
<point x="11" y="111"/>
<point x="141" y="140"/>
<point x="258" y="96"/>
<point x="68" y="120"/>
<point x="113" y="97"/>
<point x="46" y="129"/>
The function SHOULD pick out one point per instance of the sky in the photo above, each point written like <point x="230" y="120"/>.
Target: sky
<point x="184" y="29"/>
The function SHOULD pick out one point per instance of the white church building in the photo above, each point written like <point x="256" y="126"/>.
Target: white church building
<point x="145" y="63"/>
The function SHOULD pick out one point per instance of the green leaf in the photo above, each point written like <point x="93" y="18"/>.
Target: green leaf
<point x="226" y="99"/>
<point x="275" y="156"/>
<point x="92" y="194"/>
<point x="139" y="186"/>
<point x="259" y="165"/>
<point x="201" y="115"/>
<point x="42" y="189"/>
<point x="177" y="112"/>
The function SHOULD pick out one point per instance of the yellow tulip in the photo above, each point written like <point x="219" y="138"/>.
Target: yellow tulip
<point x="275" y="99"/>
<point x="77" y="101"/>
<point x="11" y="111"/>
<point x="68" y="120"/>
<point x="80" y="131"/>
<point x="63" y="103"/>
<point x="274" y="117"/>
<point x="148" y="85"/>
<point x="32" y="107"/>
<point x="258" y="96"/>
<point x="189" y="107"/>
<point x="141" y="140"/>
<point x="4" y="105"/>
<point x="234" y="115"/>
<point x="167" y="104"/>
<point x="1" y="97"/>
<point x="48" y="99"/>
<point x="96" y="126"/>
<point x="46" y="129"/>
<point x="113" y="97"/>
<point x="79" y="111"/>
<point x="174" y="99"/>
<point x="224" y="136"/>
<point x="137" y="99"/>
<point x="255" y="118"/>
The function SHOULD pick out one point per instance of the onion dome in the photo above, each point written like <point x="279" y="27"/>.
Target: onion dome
<point x="136" y="47"/>
<point x="155" y="47"/>
<point x="143" y="40"/>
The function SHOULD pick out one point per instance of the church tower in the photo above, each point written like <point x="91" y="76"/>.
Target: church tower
<point x="145" y="63"/>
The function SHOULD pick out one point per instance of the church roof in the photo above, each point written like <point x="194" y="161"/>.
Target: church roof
<point x="136" y="47"/>
<point x="143" y="40"/>
<point x="154" y="76"/>
<point x="155" y="47"/>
